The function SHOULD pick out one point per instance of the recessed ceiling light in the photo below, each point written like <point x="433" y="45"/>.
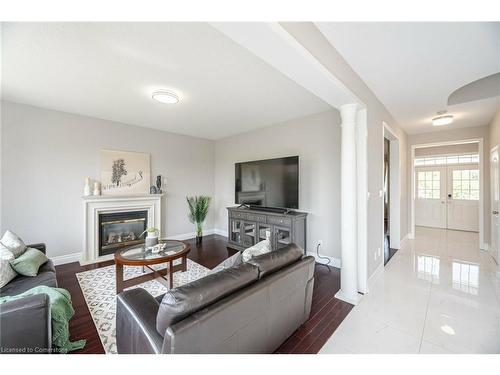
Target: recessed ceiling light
<point x="442" y="119"/>
<point x="166" y="97"/>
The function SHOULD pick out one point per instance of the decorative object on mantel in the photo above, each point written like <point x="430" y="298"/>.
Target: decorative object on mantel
<point x="97" y="188"/>
<point x="124" y="172"/>
<point x="153" y="190"/>
<point x="152" y="237"/>
<point x="198" y="210"/>
<point x="158" y="184"/>
<point x="86" y="188"/>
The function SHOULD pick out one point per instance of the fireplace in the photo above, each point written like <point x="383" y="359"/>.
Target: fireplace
<point x="121" y="229"/>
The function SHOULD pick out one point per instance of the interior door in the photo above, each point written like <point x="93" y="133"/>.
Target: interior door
<point x="430" y="202"/>
<point x="495" y="196"/>
<point x="463" y="197"/>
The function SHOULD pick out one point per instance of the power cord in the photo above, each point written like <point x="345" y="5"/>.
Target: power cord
<point x="322" y="257"/>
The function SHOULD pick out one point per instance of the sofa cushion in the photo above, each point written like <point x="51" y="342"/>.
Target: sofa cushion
<point x="185" y="300"/>
<point x="259" y="248"/>
<point x="7" y="273"/>
<point x="29" y="262"/>
<point x="23" y="283"/>
<point x="13" y="243"/>
<point x="232" y="261"/>
<point x="277" y="259"/>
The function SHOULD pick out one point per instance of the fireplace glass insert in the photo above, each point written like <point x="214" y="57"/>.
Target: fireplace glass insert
<point x="121" y="229"/>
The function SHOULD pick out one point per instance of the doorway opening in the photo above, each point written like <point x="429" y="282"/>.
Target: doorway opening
<point x="495" y="203"/>
<point x="447" y="181"/>
<point x="391" y="195"/>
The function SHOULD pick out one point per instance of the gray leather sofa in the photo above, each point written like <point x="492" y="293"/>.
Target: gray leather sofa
<point x="250" y="308"/>
<point x="25" y="325"/>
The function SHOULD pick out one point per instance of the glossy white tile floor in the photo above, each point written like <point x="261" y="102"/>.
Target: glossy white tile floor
<point x="438" y="294"/>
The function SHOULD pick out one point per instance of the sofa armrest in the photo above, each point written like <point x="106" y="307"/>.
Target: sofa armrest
<point x="136" y="332"/>
<point x="25" y="325"/>
<point x="39" y="246"/>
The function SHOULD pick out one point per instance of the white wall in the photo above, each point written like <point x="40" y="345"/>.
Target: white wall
<point x="46" y="155"/>
<point x="448" y="149"/>
<point x="458" y="135"/>
<point x="316" y="139"/>
<point x="311" y="38"/>
<point x="494" y="130"/>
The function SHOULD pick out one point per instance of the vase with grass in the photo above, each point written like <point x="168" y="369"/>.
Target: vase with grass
<point x="152" y="237"/>
<point x="198" y="210"/>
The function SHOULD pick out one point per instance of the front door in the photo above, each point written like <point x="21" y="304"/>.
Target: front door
<point x="495" y="196"/>
<point x="463" y="198"/>
<point x="430" y="203"/>
<point x="448" y="197"/>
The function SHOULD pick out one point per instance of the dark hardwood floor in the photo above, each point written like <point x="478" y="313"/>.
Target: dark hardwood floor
<point x="327" y="312"/>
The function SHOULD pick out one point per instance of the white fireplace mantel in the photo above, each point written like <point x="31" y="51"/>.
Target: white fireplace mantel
<point x="95" y="205"/>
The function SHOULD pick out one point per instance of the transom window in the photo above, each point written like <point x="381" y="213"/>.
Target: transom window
<point x="429" y="185"/>
<point x="447" y="159"/>
<point x="466" y="184"/>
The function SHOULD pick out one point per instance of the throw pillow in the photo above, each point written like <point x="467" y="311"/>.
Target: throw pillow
<point x="7" y="273"/>
<point x="29" y="263"/>
<point x="13" y="243"/>
<point x="232" y="261"/>
<point x="259" y="248"/>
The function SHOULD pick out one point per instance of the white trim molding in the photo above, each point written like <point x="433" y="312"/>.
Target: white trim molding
<point x="67" y="258"/>
<point x="334" y="262"/>
<point x="95" y="205"/>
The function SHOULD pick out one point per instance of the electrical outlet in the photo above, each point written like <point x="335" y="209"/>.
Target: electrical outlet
<point x="375" y="255"/>
<point x="379" y="252"/>
<point x="320" y="242"/>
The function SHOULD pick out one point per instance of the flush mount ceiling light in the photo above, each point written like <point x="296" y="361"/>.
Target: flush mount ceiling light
<point x="442" y="119"/>
<point x="166" y="97"/>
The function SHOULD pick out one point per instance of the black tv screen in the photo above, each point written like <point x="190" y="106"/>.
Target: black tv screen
<point x="268" y="183"/>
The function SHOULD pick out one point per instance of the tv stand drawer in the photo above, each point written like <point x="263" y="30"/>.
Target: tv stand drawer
<point x="279" y="221"/>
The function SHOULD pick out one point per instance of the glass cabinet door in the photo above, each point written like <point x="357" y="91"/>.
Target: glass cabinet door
<point x="235" y="231"/>
<point x="282" y="236"/>
<point x="264" y="232"/>
<point x="249" y="234"/>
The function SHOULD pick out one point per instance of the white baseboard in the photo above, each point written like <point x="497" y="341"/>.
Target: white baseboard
<point x="221" y="232"/>
<point x="485" y="246"/>
<point x="68" y="258"/>
<point x="187" y="236"/>
<point x="334" y="262"/>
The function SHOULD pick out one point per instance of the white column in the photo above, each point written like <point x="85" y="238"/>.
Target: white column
<point x="349" y="264"/>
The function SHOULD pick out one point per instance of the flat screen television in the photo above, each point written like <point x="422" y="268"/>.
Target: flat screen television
<point x="272" y="183"/>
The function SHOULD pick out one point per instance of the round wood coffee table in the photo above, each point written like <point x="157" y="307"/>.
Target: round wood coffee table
<point x="139" y="256"/>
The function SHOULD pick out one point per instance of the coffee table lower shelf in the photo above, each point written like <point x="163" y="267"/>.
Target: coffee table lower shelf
<point x="165" y="273"/>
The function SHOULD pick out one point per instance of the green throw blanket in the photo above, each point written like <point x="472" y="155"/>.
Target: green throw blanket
<point x="61" y="311"/>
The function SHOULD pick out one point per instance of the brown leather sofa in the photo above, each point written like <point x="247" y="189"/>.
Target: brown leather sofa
<point x="250" y="308"/>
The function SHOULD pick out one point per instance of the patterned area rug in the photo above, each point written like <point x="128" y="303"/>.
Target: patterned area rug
<point x="99" y="289"/>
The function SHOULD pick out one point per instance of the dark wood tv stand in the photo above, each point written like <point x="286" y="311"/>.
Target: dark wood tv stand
<point x="247" y="226"/>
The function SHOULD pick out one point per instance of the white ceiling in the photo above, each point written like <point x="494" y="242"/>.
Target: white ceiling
<point x="109" y="70"/>
<point x="413" y="67"/>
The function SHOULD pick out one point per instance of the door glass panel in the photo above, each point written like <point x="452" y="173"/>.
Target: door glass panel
<point x="235" y="230"/>
<point x="465" y="184"/>
<point x="282" y="237"/>
<point x="264" y="232"/>
<point x="249" y="231"/>
<point x="429" y="185"/>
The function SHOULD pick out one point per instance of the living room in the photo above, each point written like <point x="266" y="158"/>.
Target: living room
<point x="220" y="188"/>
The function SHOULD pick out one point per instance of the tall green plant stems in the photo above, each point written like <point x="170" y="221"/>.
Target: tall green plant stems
<point x="198" y="210"/>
